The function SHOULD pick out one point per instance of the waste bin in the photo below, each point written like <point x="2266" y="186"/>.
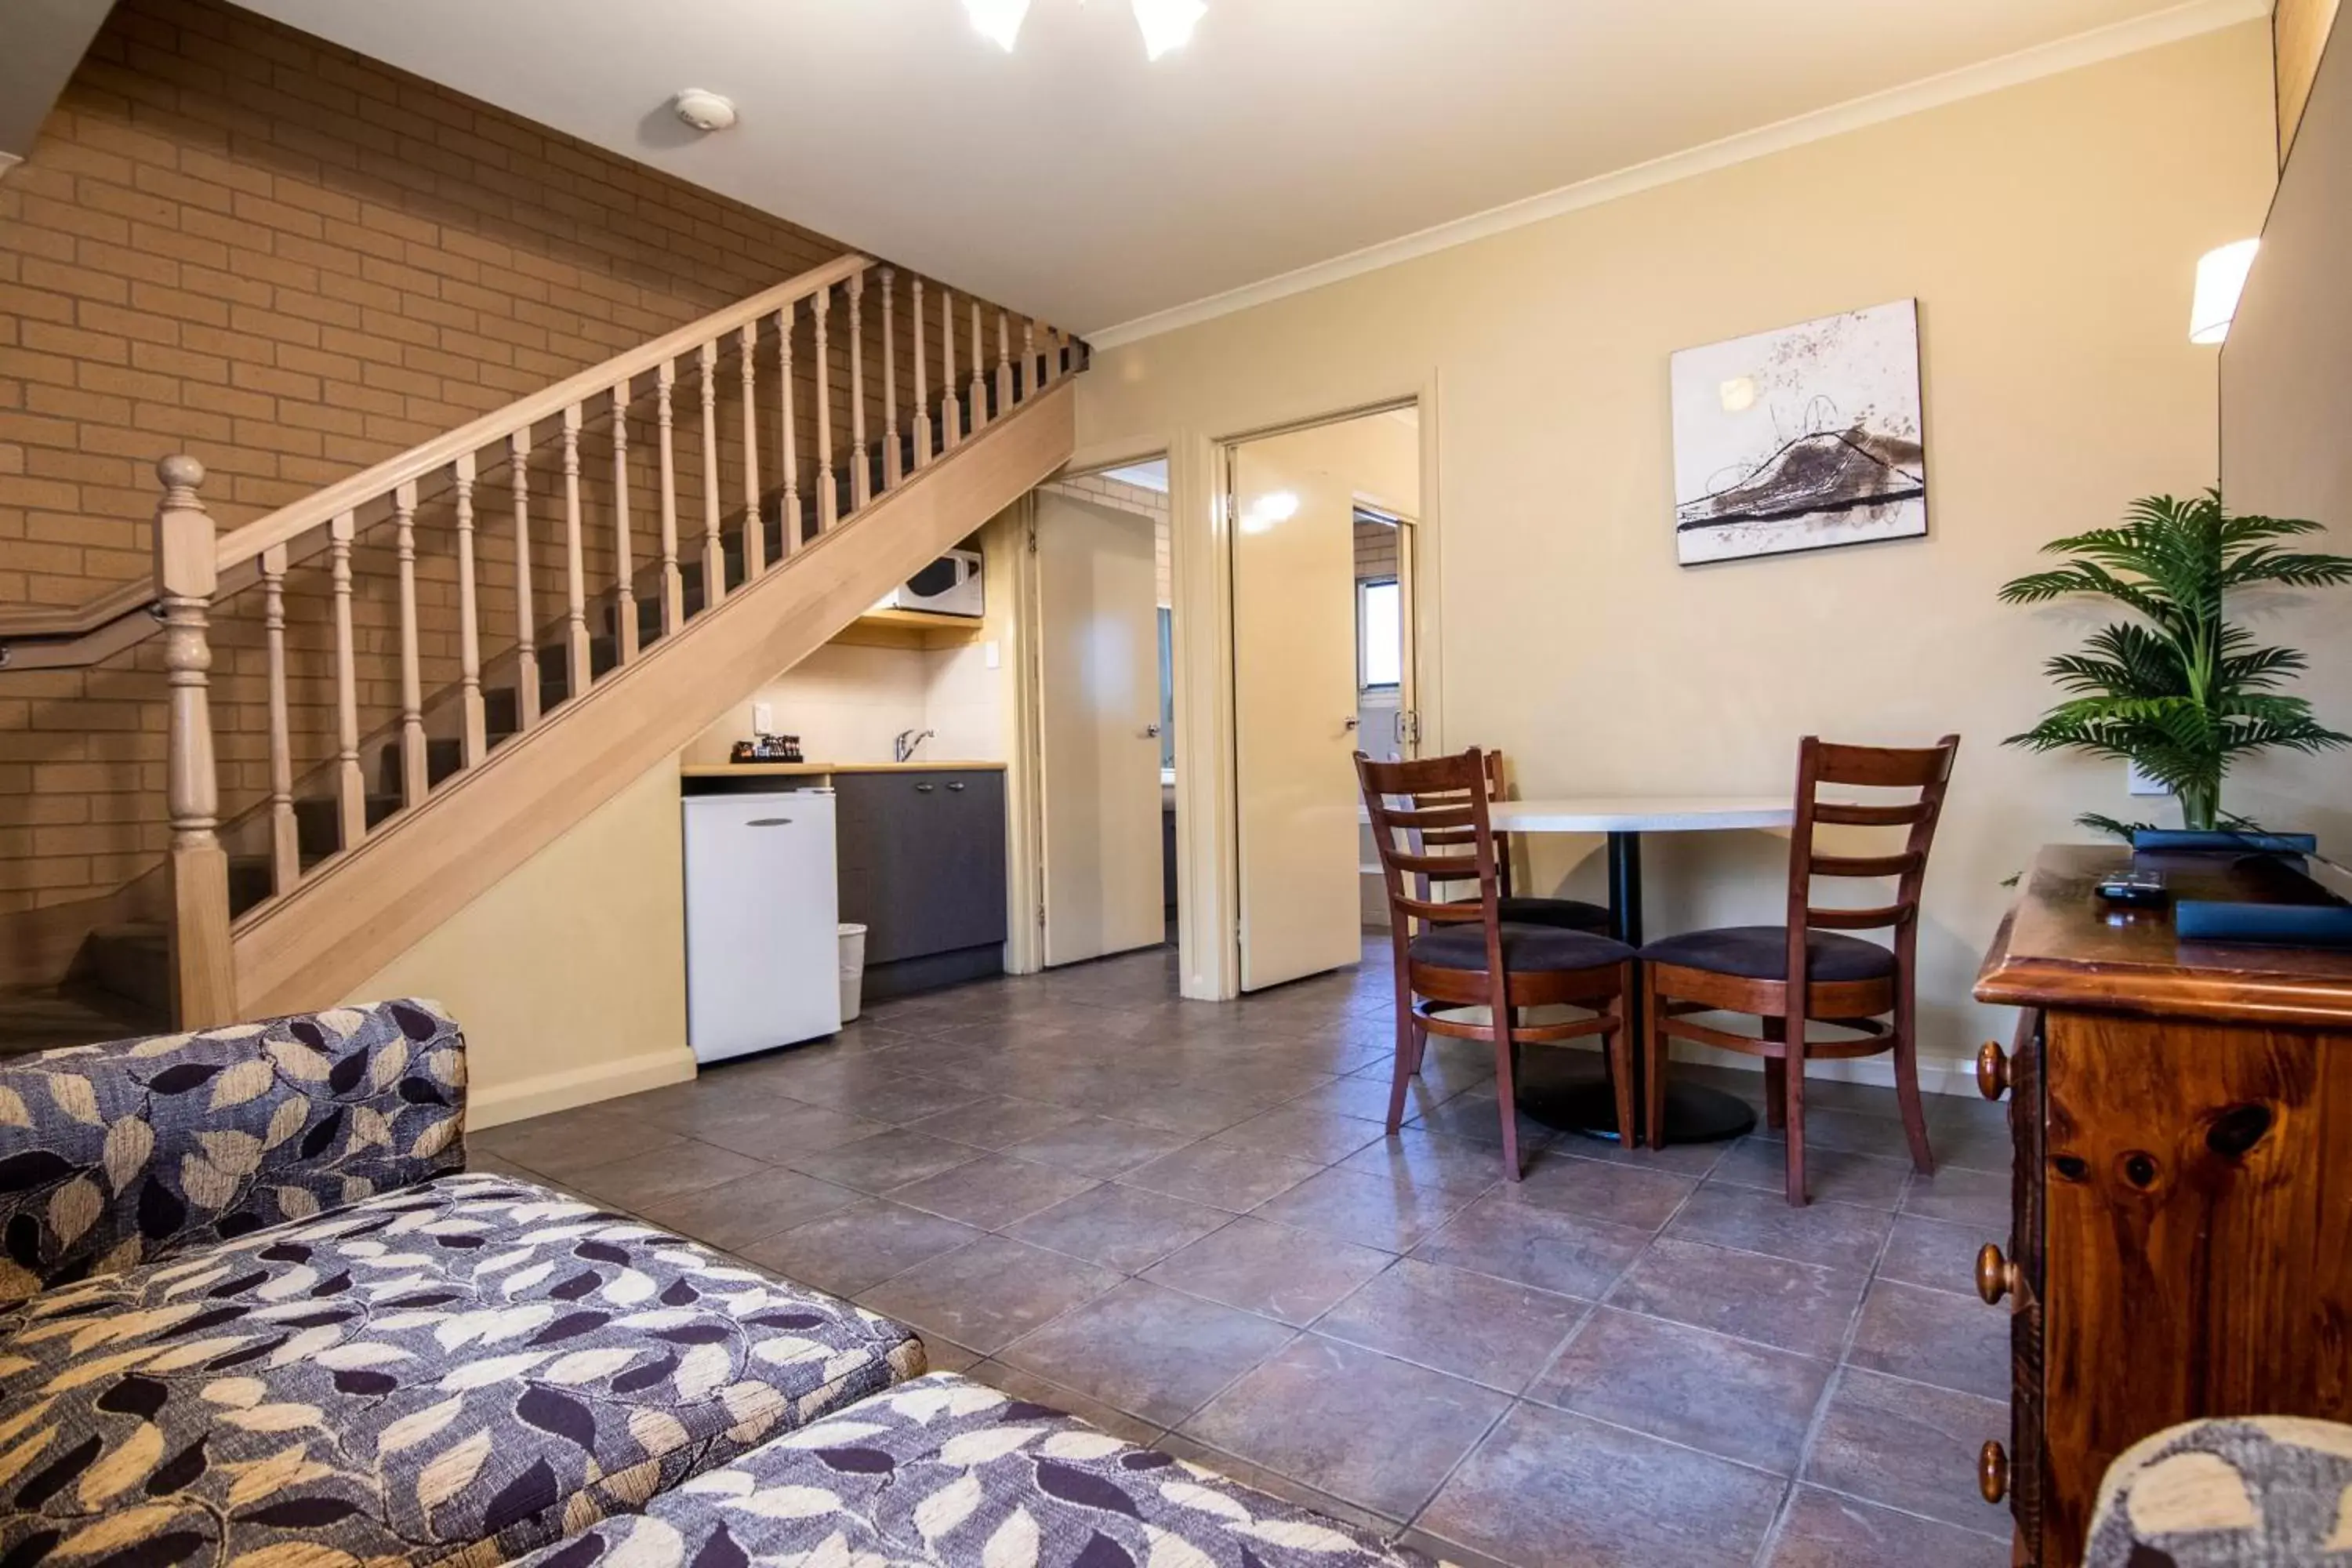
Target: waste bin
<point x="853" y="969"/>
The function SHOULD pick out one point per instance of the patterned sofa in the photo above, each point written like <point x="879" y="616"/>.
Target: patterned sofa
<point x="2266" y="1491"/>
<point x="253" y="1312"/>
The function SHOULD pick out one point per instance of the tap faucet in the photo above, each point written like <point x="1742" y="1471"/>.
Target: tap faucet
<point x="903" y="748"/>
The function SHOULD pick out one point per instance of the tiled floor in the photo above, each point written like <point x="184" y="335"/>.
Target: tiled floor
<point x="1182" y="1221"/>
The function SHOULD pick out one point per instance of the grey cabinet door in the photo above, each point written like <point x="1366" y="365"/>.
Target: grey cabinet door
<point x="922" y="860"/>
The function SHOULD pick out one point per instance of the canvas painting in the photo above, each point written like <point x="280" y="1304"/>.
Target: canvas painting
<point x="1801" y="439"/>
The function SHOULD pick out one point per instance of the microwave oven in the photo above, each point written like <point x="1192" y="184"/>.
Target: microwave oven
<point x="948" y="586"/>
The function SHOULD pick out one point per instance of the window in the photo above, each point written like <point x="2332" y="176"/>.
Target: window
<point x="1379" y="634"/>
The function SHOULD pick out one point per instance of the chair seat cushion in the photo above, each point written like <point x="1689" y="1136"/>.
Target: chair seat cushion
<point x="1527" y="950"/>
<point x="448" y="1373"/>
<point x="945" y="1471"/>
<point x="1761" y="952"/>
<point x="1568" y="915"/>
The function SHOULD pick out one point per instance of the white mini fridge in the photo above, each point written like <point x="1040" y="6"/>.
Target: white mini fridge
<point x="762" y="916"/>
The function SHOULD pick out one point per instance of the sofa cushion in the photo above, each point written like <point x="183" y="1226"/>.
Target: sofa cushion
<point x="2260" y="1491"/>
<point x="946" y="1470"/>
<point x="458" y="1372"/>
<point x="117" y="1155"/>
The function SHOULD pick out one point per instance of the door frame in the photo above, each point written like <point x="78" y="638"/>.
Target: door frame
<point x="1207" y="812"/>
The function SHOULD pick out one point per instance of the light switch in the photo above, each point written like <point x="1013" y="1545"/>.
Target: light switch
<point x="991" y="653"/>
<point x="2139" y="782"/>
<point x="763" y="719"/>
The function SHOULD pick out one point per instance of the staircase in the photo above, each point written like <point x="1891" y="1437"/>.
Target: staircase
<point x="618" y="528"/>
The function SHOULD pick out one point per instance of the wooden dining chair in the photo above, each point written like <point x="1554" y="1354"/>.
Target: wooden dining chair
<point x="1463" y="954"/>
<point x="1809" y="968"/>
<point x="1570" y="914"/>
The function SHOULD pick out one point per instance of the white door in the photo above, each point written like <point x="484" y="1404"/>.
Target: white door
<point x="1295" y="712"/>
<point x="1099" y="684"/>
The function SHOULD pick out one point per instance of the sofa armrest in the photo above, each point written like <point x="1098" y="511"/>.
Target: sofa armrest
<point x="2254" y="1491"/>
<point x="115" y="1155"/>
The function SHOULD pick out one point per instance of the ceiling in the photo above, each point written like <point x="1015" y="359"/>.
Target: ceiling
<point x="1075" y="180"/>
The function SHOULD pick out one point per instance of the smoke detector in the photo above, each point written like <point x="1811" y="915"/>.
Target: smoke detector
<point x="704" y="109"/>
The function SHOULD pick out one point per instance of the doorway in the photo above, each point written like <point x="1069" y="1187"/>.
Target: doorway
<point x="1104" y="679"/>
<point x="1322" y="543"/>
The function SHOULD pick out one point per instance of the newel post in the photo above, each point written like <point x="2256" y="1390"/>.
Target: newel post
<point x="204" y="978"/>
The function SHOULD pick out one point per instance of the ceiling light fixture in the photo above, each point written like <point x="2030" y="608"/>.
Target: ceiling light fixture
<point x="1167" y="24"/>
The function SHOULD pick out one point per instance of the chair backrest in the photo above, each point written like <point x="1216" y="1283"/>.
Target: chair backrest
<point x="1928" y="771"/>
<point x="1429" y="824"/>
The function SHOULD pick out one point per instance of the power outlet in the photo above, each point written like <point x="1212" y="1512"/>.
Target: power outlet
<point x="2139" y="783"/>
<point x="763" y="719"/>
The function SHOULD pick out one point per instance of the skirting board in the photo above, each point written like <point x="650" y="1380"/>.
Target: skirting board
<point x="1937" y="1075"/>
<point x="529" y="1097"/>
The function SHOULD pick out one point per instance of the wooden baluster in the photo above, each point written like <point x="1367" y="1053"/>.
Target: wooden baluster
<point x="285" y="836"/>
<point x="1053" y="356"/>
<point x="1030" y="378"/>
<point x="673" y="580"/>
<point x="714" y="548"/>
<point x="755" y="526"/>
<point x="922" y="381"/>
<point x="525" y="613"/>
<point x="412" y="783"/>
<point x="950" y="415"/>
<point x="791" y="438"/>
<point x="350" y="785"/>
<point x="474" y="742"/>
<point x="1003" y="362"/>
<point x="204" y="974"/>
<point x="894" y="467"/>
<point x="828" y="505"/>
<point x="575" y="566"/>
<point x="625" y="593"/>
<point x="979" y="376"/>
<point x="861" y="477"/>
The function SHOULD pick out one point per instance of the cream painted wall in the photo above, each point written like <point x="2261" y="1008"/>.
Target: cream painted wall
<point x="568" y="977"/>
<point x="2050" y="232"/>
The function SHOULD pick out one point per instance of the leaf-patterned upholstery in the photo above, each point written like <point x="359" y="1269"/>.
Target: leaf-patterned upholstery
<point x="458" y="1373"/>
<point x="115" y="1155"/>
<point x="2266" y="1491"/>
<point x="947" y="1471"/>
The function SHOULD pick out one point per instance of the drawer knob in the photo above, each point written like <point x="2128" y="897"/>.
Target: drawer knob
<point x="1992" y="1472"/>
<point x="1992" y="1070"/>
<point x="1996" y="1276"/>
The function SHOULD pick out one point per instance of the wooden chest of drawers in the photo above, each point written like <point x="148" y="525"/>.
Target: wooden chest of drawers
<point x="2181" y="1244"/>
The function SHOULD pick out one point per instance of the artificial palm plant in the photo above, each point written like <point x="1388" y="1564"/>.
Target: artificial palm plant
<point x="2179" y="690"/>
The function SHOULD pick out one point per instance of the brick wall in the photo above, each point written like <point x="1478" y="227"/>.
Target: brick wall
<point x="234" y="240"/>
<point x="1121" y="495"/>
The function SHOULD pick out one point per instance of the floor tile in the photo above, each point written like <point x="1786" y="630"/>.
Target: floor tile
<point x="1837" y="1236"/>
<point x="1935" y="1253"/>
<point x="1036" y="1390"/>
<point x="1592" y="1189"/>
<point x="1741" y="1401"/>
<point x="1934" y="1336"/>
<point x="1349" y="1421"/>
<point x="990" y="1293"/>
<point x="1430" y="1160"/>
<point x="1473" y="1117"/>
<point x="995" y="1121"/>
<point x="775" y="1129"/>
<point x="1797" y="1306"/>
<point x="1154" y="1352"/>
<point x="887" y="1160"/>
<point x="1121" y="1228"/>
<point x="1099" y="1146"/>
<point x="684" y="1166"/>
<point x="563" y="1145"/>
<point x="1323" y="1137"/>
<point x="993" y="1192"/>
<point x="1380" y="1527"/>
<point x="946" y="1355"/>
<point x="1908" y="1447"/>
<point x="1476" y="1326"/>
<point x="1386" y="1212"/>
<point x="750" y="1208"/>
<point x="1853" y="1131"/>
<point x="1536" y="1247"/>
<point x="1196" y="1113"/>
<point x="1552" y="1487"/>
<point x="1294" y="1276"/>
<point x="1979" y="1199"/>
<point x="854" y="1248"/>
<point x="1832" y="1175"/>
<point x="1367" y="1098"/>
<point x="900" y="1100"/>
<point x="1822" y="1529"/>
<point x="1221" y="1176"/>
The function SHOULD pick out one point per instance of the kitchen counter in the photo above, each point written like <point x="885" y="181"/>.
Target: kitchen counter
<point x="810" y="770"/>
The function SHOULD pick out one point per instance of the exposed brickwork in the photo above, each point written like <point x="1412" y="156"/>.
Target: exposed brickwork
<point x="234" y="240"/>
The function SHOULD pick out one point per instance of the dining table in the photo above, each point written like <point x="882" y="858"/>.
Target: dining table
<point x="1694" y="1114"/>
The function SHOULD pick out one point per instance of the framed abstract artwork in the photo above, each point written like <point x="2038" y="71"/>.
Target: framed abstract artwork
<point x="1801" y="439"/>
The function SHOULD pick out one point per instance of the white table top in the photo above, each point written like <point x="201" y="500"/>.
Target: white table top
<point x="1643" y="813"/>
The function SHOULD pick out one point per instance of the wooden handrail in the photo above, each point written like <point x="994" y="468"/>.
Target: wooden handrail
<point x="314" y="511"/>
